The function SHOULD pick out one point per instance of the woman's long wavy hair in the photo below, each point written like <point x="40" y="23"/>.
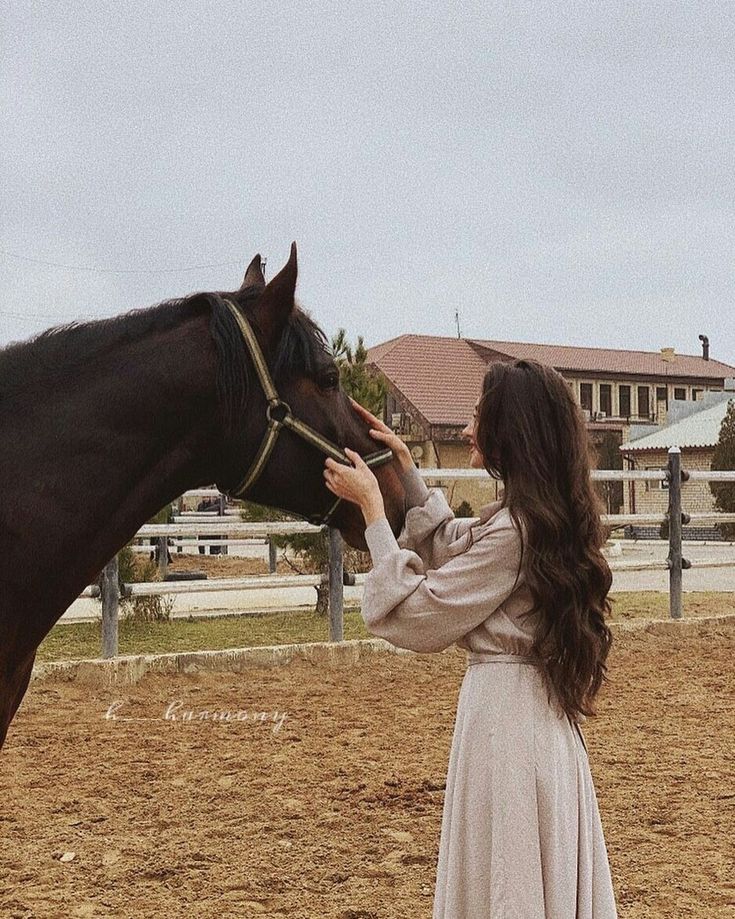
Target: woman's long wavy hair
<point x="532" y="435"/>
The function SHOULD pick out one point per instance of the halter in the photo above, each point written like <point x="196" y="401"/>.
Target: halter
<point x="279" y="415"/>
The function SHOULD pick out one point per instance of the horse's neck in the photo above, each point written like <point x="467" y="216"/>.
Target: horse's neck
<point x="93" y="459"/>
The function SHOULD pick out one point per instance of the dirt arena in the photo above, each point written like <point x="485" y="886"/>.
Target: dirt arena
<point x="331" y="806"/>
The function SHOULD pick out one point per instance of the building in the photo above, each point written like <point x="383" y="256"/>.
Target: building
<point x="695" y="429"/>
<point x="433" y="383"/>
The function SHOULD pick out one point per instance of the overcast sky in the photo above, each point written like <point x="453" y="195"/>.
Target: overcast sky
<point x="558" y="172"/>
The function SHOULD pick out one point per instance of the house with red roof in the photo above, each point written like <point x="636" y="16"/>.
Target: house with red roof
<point x="434" y="381"/>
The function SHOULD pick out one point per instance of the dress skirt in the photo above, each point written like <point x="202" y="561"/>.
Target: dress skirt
<point x="521" y="834"/>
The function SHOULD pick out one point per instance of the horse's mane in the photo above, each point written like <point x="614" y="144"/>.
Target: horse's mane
<point x="63" y="350"/>
<point x="302" y="350"/>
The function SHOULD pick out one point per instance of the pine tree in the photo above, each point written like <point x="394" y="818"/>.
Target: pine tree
<point x="610" y="457"/>
<point x="366" y="387"/>
<point x="723" y="458"/>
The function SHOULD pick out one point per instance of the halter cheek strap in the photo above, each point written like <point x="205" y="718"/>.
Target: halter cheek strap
<point x="279" y="415"/>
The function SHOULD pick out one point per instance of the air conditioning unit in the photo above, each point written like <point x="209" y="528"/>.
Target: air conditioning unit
<point x="601" y="415"/>
<point x="396" y="421"/>
<point x="587" y="413"/>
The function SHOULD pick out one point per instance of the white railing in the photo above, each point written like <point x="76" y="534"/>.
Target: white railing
<point x="209" y="530"/>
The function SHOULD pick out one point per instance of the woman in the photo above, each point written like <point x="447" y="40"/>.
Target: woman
<point x="523" y="590"/>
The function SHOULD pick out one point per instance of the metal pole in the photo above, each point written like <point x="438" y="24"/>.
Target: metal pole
<point x="674" y="560"/>
<point x="336" y="586"/>
<point x="110" y="593"/>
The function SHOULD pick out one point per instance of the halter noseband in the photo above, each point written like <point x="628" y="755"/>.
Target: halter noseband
<point x="279" y="415"/>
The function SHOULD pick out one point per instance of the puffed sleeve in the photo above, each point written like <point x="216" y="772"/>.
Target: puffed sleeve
<point x="428" y="609"/>
<point x="430" y="526"/>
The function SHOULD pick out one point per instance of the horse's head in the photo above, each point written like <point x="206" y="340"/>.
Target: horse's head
<point x="307" y="378"/>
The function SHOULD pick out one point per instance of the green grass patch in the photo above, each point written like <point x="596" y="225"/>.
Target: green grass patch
<point x="82" y="639"/>
<point x="655" y="605"/>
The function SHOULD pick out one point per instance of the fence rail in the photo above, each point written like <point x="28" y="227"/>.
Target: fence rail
<point x="207" y="529"/>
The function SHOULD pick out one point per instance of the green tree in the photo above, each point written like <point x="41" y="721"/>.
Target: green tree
<point x="366" y="386"/>
<point x="723" y="458"/>
<point x="610" y="457"/>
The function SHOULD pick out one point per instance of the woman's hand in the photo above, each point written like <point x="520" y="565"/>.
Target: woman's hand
<point x="381" y="432"/>
<point x="355" y="483"/>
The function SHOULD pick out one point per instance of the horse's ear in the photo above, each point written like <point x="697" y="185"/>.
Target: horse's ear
<point x="254" y="274"/>
<point x="277" y="299"/>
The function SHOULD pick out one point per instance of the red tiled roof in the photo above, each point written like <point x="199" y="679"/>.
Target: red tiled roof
<point x="442" y="377"/>
<point x="610" y="360"/>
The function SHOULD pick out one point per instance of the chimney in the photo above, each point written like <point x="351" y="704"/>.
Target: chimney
<point x="667" y="354"/>
<point x="705" y="346"/>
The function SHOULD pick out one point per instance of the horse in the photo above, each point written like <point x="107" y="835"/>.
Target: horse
<point x="106" y="422"/>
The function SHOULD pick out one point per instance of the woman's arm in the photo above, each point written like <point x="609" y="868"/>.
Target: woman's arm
<point x="427" y="609"/>
<point x="430" y="526"/>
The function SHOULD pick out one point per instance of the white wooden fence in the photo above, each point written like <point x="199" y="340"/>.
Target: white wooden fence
<point x="229" y="531"/>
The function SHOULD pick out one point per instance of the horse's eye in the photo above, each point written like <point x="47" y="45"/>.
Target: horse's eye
<point x="329" y="380"/>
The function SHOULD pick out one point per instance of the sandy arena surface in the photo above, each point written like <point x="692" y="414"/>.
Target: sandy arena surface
<point x="335" y="811"/>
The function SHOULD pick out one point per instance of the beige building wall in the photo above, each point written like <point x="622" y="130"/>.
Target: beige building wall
<point x="653" y="497"/>
<point x="676" y="391"/>
<point x="454" y="455"/>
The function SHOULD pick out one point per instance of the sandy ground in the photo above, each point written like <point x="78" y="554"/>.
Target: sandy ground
<point x="334" y="810"/>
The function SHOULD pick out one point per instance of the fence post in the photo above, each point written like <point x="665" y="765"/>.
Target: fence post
<point x="272" y="557"/>
<point x="110" y="593"/>
<point x="163" y="556"/>
<point x="222" y="509"/>
<point x="674" y="560"/>
<point x="336" y="586"/>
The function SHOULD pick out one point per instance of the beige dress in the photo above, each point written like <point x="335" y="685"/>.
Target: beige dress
<point x="521" y="835"/>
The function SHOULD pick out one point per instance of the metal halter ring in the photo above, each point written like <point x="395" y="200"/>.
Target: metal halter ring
<point x="272" y="407"/>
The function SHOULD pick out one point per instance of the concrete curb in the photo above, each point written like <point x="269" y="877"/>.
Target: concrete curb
<point x="122" y="671"/>
<point x="692" y="628"/>
<point x="127" y="670"/>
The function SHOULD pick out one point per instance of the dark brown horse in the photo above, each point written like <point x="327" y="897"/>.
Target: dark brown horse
<point x="104" y="423"/>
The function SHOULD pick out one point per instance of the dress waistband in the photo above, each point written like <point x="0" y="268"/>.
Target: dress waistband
<point x="477" y="657"/>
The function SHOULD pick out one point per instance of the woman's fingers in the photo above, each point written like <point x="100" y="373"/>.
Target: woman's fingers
<point x="355" y="483"/>
<point x="355" y="457"/>
<point x="368" y="416"/>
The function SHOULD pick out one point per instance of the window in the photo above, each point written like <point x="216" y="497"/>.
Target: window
<point x="643" y="407"/>
<point x="680" y="392"/>
<point x="624" y="396"/>
<point x="662" y="395"/>
<point x="585" y="396"/>
<point x="606" y="398"/>
<point x="696" y="394"/>
<point x="652" y="485"/>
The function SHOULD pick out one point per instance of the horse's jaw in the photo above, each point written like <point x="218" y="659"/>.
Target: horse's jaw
<point x="354" y="536"/>
<point x="355" y="540"/>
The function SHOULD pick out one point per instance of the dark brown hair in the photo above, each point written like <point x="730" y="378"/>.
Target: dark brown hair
<point x="532" y="435"/>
